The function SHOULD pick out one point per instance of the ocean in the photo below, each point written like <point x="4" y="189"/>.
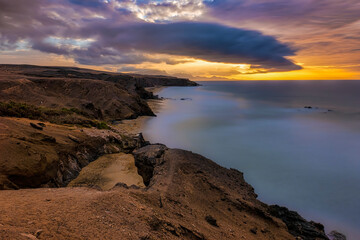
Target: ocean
<point x="297" y="142"/>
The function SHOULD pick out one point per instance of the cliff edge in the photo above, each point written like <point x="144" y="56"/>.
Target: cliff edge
<point x="55" y="121"/>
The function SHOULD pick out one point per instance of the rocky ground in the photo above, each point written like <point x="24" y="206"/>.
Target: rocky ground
<point x="187" y="197"/>
<point x="182" y="195"/>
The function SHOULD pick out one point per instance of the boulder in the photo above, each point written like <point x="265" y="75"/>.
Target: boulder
<point x="36" y="126"/>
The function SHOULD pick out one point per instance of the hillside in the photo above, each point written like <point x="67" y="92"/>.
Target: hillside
<point x="80" y="92"/>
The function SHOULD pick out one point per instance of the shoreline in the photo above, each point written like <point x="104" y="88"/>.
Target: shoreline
<point x="135" y="126"/>
<point x="186" y="196"/>
<point x="307" y="197"/>
<point x="158" y="109"/>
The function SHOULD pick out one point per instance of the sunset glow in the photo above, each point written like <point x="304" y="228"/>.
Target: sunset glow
<point x="200" y="39"/>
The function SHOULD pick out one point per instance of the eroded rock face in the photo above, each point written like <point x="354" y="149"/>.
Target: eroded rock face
<point x="72" y="161"/>
<point x="297" y="225"/>
<point x="52" y="157"/>
<point x="147" y="159"/>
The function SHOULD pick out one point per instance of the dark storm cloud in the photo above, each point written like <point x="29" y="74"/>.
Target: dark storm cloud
<point x="50" y="48"/>
<point x="210" y="42"/>
<point x="120" y="39"/>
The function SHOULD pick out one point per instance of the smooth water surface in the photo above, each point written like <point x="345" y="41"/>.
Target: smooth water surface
<point x="307" y="159"/>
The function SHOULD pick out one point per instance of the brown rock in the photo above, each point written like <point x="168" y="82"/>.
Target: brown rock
<point x="36" y="126"/>
<point x="211" y="221"/>
<point x="73" y="138"/>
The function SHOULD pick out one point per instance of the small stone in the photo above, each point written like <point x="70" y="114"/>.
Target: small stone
<point x="41" y="124"/>
<point x="49" y="139"/>
<point x="36" y="126"/>
<point x="29" y="236"/>
<point x="122" y="185"/>
<point x="253" y="230"/>
<point x="160" y="203"/>
<point x="211" y="221"/>
<point x="73" y="138"/>
<point x="38" y="232"/>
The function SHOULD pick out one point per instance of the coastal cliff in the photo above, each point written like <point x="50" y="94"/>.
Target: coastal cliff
<point x="55" y="121"/>
<point x="46" y="113"/>
<point x="80" y="93"/>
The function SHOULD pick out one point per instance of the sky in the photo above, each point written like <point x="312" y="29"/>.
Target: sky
<point x="199" y="39"/>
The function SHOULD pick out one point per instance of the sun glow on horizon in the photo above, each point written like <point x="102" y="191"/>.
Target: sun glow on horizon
<point x="199" y="39"/>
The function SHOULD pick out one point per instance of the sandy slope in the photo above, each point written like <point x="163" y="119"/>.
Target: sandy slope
<point x="108" y="170"/>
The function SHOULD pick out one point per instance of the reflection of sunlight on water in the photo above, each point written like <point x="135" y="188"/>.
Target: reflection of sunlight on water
<point x="306" y="160"/>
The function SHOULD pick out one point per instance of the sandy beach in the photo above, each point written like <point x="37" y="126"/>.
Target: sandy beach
<point x="135" y="126"/>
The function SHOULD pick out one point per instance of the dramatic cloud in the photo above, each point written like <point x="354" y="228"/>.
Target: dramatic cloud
<point x="210" y="42"/>
<point x="325" y="32"/>
<point x="270" y="35"/>
<point x="110" y="32"/>
<point x="322" y="13"/>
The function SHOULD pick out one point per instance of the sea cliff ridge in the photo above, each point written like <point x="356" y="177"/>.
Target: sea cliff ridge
<point x="55" y="121"/>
